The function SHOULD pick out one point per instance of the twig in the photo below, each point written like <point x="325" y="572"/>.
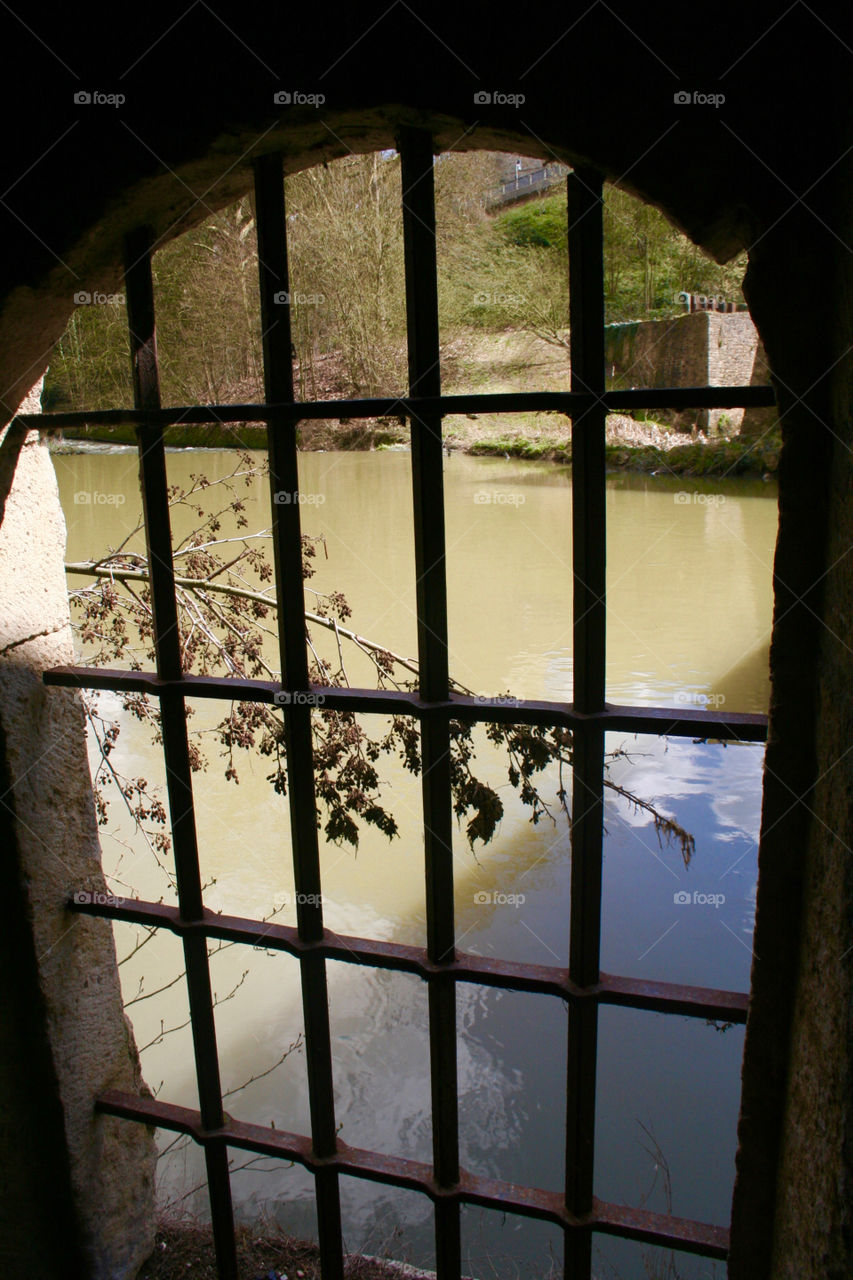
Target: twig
<point x="203" y="584"/>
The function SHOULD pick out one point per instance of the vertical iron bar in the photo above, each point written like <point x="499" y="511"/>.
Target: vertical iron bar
<point x="155" y="501"/>
<point x="586" y="316"/>
<point x="416" y="155"/>
<point x="586" y="300"/>
<point x="287" y="548"/>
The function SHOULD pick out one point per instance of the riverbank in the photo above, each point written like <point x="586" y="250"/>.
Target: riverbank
<point x="476" y="362"/>
<point x="692" y="458"/>
<point x="646" y="447"/>
<point x="184" y="1247"/>
<point x="630" y="445"/>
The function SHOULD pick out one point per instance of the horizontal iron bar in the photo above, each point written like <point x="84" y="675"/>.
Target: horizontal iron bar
<point x="689" y="398"/>
<point x="631" y="993"/>
<point x="685" y="1234"/>
<point x="670" y="721"/>
<point x="567" y="402"/>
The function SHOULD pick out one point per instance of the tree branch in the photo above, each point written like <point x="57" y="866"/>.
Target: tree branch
<point x="95" y="569"/>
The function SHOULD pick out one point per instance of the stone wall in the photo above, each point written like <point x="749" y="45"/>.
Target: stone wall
<point x="658" y="353"/>
<point x="63" y="964"/>
<point x="792" y="1214"/>
<point x="697" y="349"/>
<point x="813" y="1225"/>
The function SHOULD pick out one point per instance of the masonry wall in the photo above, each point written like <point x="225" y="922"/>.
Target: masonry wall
<point x="80" y="1201"/>
<point x="814" y="1213"/>
<point x="792" y="1214"/>
<point x="736" y="357"/>
<point x="698" y="349"/>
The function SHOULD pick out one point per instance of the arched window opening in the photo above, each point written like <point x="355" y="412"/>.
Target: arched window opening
<point x="340" y="333"/>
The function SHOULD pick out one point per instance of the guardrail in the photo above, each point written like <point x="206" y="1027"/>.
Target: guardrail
<point x="523" y="185"/>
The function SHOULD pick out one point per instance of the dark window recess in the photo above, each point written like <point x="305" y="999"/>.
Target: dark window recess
<point x="440" y="965"/>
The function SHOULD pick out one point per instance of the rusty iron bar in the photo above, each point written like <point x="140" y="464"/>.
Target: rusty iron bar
<point x="418" y="192"/>
<point x="589" y="543"/>
<point x="675" y="722"/>
<point x="663" y="1230"/>
<point x="571" y="403"/>
<point x="549" y="980"/>
<point x="155" y="500"/>
<point x="287" y="544"/>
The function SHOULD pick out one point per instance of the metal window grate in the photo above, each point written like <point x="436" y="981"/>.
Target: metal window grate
<point x="440" y="965"/>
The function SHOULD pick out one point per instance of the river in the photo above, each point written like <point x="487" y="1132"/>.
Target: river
<point x="689" y="606"/>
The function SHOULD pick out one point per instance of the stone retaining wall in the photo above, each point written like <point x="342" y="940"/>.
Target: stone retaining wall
<point x="698" y="349"/>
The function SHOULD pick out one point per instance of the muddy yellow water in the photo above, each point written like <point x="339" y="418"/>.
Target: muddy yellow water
<point x="689" y="606"/>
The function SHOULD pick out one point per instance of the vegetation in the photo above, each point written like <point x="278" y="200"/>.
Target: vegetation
<point x="495" y="274"/>
<point x="184" y="1248"/>
<point x="717" y="458"/>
